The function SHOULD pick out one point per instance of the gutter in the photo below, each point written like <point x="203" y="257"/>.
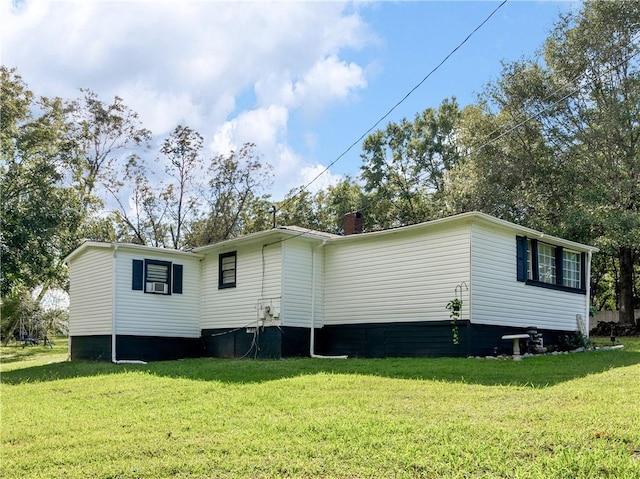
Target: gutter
<point x="312" y="339"/>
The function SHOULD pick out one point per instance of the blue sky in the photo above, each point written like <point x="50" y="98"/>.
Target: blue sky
<point x="303" y="80"/>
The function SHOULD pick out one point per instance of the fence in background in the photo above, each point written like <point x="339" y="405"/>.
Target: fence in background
<point x="608" y="317"/>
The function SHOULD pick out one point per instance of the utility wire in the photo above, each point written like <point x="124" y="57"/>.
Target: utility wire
<point x="509" y="129"/>
<point x="538" y="114"/>
<point x="382" y="118"/>
<point x="402" y="100"/>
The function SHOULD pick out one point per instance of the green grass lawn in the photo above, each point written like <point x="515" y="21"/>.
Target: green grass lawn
<point x="565" y="416"/>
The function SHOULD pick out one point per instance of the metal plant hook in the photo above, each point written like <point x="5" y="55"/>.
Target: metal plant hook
<point x="459" y="287"/>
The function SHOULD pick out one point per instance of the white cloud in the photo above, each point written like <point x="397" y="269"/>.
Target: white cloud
<point x="266" y="127"/>
<point x="329" y="80"/>
<point x="234" y="71"/>
<point x="262" y="126"/>
<point x="321" y="178"/>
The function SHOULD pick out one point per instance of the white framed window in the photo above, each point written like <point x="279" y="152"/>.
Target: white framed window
<point x="571" y="271"/>
<point x="227" y="270"/>
<point x="549" y="266"/>
<point x="546" y="263"/>
<point x="157" y="276"/>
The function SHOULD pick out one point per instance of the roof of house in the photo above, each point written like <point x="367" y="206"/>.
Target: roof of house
<point x="474" y="217"/>
<point x="127" y="246"/>
<point x="276" y="234"/>
<point x="282" y="233"/>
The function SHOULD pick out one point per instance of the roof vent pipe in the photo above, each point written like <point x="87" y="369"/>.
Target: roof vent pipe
<point x="352" y="223"/>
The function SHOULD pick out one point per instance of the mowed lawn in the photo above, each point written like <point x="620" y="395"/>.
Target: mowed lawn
<point x="565" y="416"/>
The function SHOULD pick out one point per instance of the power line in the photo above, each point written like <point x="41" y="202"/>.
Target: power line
<point x="548" y="107"/>
<point x="402" y="100"/>
<point x="509" y="129"/>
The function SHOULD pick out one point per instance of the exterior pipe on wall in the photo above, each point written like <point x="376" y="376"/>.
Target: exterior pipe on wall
<point x="114" y="303"/>
<point x="588" y="295"/>
<point x="312" y="339"/>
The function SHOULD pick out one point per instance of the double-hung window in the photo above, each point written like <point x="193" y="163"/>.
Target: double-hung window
<point x="156" y="277"/>
<point x="547" y="263"/>
<point x="572" y="269"/>
<point x="550" y="266"/>
<point x="227" y="263"/>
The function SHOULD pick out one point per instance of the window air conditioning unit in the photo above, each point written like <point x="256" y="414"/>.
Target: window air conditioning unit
<point x="161" y="288"/>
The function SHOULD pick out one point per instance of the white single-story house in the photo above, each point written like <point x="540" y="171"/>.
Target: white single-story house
<point x="290" y="291"/>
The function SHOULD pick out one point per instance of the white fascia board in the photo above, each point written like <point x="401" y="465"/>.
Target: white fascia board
<point x="470" y="217"/>
<point x="128" y="246"/>
<point x="275" y="235"/>
<point x="83" y="247"/>
<point x="531" y="233"/>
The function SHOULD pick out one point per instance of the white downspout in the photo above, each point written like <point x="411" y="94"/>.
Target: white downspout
<point x="114" y="305"/>
<point x="312" y="339"/>
<point x="588" y="298"/>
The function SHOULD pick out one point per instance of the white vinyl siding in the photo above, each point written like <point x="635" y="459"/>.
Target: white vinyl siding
<point x="90" y="286"/>
<point x="255" y="280"/>
<point x="300" y="259"/>
<point x="170" y="315"/>
<point x="396" y="277"/>
<point x="499" y="299"/>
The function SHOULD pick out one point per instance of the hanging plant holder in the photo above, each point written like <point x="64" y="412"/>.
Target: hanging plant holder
<point x="455" y="312"/>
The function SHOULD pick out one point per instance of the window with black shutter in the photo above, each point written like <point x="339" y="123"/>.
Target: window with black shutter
<point x="156" y="277"/>
<point x="549" y="266"/>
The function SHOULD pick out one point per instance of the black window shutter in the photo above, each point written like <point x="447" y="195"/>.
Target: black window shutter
<point x="177" y="278"/>
<point x="583" y="271"/>
<point x="137" y="279"/>
<point x="521" y="259"/>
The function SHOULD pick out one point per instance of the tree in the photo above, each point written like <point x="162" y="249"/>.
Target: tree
<point x="405" y="166"/>
<point x="236" y="180"/>
<point x="258" y="214"/>
<point x="323" y="210"/>
<point x="40" y="210"/>
<point x="347" y="196"/>
<point x="305" y="209"/>
<point x="600" y="126"/>
<point x="17" y="308"/>
<point x="154" y="210"/>
<point x="104" y="136"/>
<point x="102" y="132"/>
<point x="557" y="145"/>
<point x="143" y="218"/>
<point x="183" y="148"/>
<point x="509" y="172"/>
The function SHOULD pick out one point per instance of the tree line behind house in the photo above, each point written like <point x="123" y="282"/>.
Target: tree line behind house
<point x="552" y="144"/>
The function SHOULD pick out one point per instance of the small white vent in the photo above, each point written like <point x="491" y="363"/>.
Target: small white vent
<point x="161" y="288"/>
